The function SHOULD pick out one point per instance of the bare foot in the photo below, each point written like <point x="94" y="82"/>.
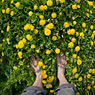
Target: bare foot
<point x="36" y="68"/>
<point x="61" y="63"/>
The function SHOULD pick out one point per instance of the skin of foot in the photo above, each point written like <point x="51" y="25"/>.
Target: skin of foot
<point x="61" y="63"/>
<point x="38" y="81"/>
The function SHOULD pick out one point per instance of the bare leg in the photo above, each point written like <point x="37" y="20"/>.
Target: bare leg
<point x="38" y="81"/>
<point x="61" y="62"/>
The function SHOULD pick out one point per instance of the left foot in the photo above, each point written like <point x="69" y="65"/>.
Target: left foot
<point x="35" y="68"/>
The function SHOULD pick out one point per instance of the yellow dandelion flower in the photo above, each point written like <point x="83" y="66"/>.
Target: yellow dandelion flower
<point x="74" y="70"/>
<point x="42" y="22"/>
<point x="91" y="27"/>
<point x="72" y="31"/>
<point x="33" y="46"/>
<point x="94" y="32"/>
<point x="31" y="27"/>
<point x="29" y="37"/>
<point x="93" y="82"/>
<point x="73" y="18"/>
<point x="12" y="1"/>
<point x="78" y="6"/>
<point x="35" y="63"/>
<point x="43" y="72"/>
<point x="2" y="53"/>
<point x="41" y="17"/>
<point x="76" y="75"/>
<point x="51" y="91"/>
<point x="71" y="44"/>
<point x="40" y="63"/>
<point x="36" y="31"/>
<point x="17" y="4"/>
<point x="89" y="87"/>
<point x="60" y="13"/>
<point x="7" y="39"/>
<point x="91" y="11"/>
<point x="92" y="43"/>
<point x="81" y="34"/>
<point x="92" y="36"/>
<point x="20" y="44"/>
<point x="37" y="51"/>
<point x="61" y="1"/>
<point x="66" y="24"/>
<point x="77" y="48"/>
<point x="20" y="54"/>
<point x="12" y="13"/>
<point x="90" y="3"/>
<point x="53" y="15"/>
<point x="79" y="62"/>
<point x="44" y="82"/>
<point x="51" y="78"/>
<point x="8" y="28"/>
<point x="87" y="14"/>
<point x="74" y="22"/>
<point x="89" y="76"/>
<point x="54" y="38"/>
<point x="77" y="33"/>
<point x="24" y="40"/>
<point x="48" y="52"/>
<point x="74" y="55"/>
<point x="45" y="76"/>
<point x="2" y="1"/>
<point x="3" y="40"/>
<point x="74" y="6"/>
<point x="80" y="79"/>
<point x="73" y="39"/>
<point x="47" y="32"/>
<point x="35" y="7"/>
<point x="57" y="50"/>
<point x="41" y="7"/>
<point x="93" y="71"/>
<point x="2" y="31"/>
<point x="7" y="10"/>
<point x="50" y="26"/>
<point x="48" y="86"/>
<point x="15" y="67"/>
<point x="45" y="7"/>
<point x="43" y="66"/>
<point x="78" y="57"/>
<point x="3" y="11"/>
<point x="49" y="3"/>
<point x="90" y="70"/>
<point x="16" y="46"/>
<point x="84" y="25"/>
<point x="30" y="13"/>
<point x="56" y="34"/>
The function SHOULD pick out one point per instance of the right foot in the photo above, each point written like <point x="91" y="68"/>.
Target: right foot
<point x="61" y="63"/>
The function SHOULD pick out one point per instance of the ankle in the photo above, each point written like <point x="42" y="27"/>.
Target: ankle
<point x="38" y="75"/>
<point x="60" y="76"/>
